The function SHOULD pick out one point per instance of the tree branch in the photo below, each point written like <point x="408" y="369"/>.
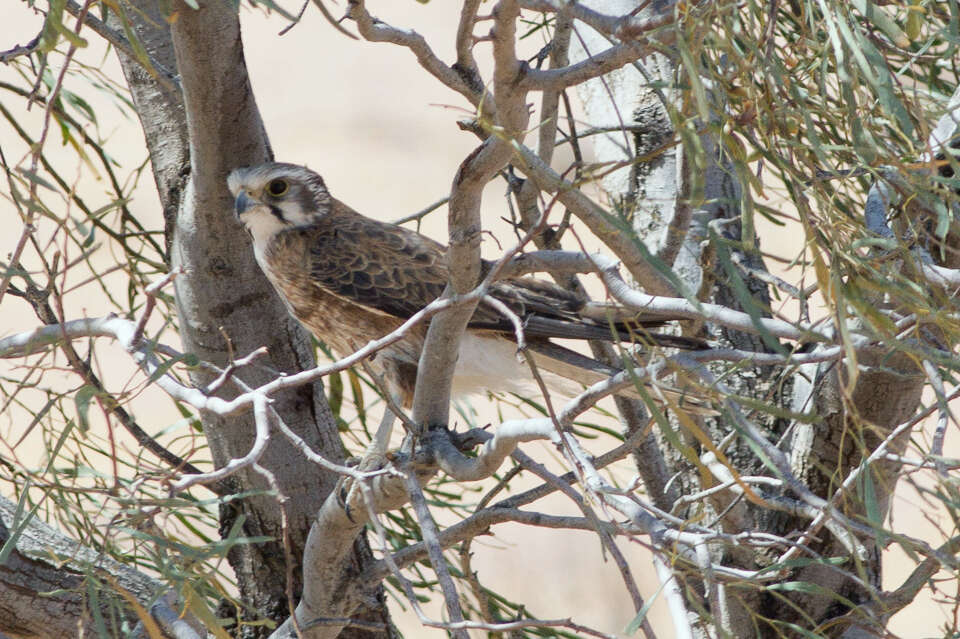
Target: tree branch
<point x="374" y="30"/>
<point x="43" y="578"/>
<point x="622" y="27"/>
<point x="593" y="67"/>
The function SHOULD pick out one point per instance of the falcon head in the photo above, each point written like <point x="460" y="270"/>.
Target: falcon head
<point x="273" y="197"/>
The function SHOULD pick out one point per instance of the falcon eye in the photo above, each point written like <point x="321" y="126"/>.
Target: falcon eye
<point x="278" y="187"/>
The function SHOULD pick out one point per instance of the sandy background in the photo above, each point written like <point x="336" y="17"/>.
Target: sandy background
<point x="382" y="133"/>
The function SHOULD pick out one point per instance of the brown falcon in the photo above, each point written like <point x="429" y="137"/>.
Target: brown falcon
<point x="351" y="279"/>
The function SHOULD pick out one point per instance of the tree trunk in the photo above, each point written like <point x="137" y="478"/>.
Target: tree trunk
<point x="226" y="307"/>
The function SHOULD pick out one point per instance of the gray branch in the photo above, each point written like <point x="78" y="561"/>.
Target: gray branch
<point x="621" y="27"/>
<point x="43" y="577"/>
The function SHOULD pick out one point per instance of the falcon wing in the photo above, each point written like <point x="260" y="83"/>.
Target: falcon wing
<point x="380" y="266"/>
<point x="397" y="271"/>
<point x="550" y="311"/>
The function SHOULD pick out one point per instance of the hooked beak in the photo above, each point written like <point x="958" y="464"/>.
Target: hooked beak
<point x="242" y="203"/>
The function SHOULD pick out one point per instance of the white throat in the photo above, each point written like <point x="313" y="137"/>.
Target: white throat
<point x="262" y="226"/>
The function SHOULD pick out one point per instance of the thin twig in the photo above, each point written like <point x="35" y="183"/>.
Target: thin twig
<point x="428" y="528"/>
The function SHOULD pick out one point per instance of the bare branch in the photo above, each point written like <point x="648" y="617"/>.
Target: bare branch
<point x="550" y="101"/>
<point x="596" y="220"/>
<point x="419" y="215"/>
<point x="945" y="416"/>
<point x="466" y="64"/>
<point x="431" y="402"/>
<point x="262" y="421"/>
<point x="624" y="27"/>
<point x="495" y="450"/>
<point x="172" y="621"/>
<point x="674" y="596"/>
<point x="19" y="50"/>
<point x="593" y="67"/>
<point x="680" y="307"/>
<point x="375" y="30"/>
<point x="428" y="527"/>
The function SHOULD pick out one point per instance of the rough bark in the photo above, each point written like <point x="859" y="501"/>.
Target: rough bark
<point x="44" y="581"/>
<point x="886" y="394"/>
